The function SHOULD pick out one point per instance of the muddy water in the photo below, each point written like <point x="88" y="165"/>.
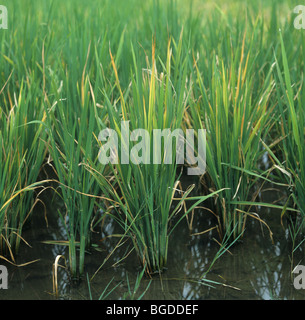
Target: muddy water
<point x="255" y="269"/>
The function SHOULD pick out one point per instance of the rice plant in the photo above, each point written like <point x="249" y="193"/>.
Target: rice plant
<point x="73" y="146"/>
<point x="292" y="122"/>
<point x="233" y="105"/>
<point x="143" y="190"/>
<point x="74" y="118"/>
<point x="23" y="151"/>
<point x="11" y="171"/>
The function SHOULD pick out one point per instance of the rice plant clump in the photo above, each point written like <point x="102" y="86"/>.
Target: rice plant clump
<point x="234" y="107"/>
<point x="144" y="189"/>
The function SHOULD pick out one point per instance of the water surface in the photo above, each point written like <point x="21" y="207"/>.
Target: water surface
<point x="255" y="269"/>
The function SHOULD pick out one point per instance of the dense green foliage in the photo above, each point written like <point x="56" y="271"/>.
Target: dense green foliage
<point x="69" y="69"/>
